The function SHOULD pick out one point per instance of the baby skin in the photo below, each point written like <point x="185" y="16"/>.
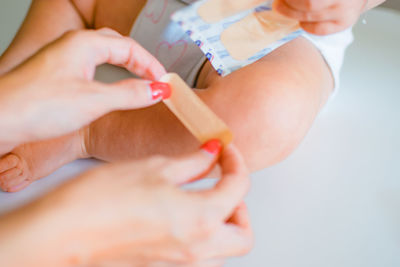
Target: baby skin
<point x="275" y="101"/>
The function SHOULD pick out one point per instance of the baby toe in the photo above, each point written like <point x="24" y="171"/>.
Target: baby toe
<point x="10" y="179"/>
<point x="8" y="162"/>
<point x="20" y="186"/>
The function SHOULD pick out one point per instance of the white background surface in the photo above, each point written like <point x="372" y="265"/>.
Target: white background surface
<point x="336" y="201"/>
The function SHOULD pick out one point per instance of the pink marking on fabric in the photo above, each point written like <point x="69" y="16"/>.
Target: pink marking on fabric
<point x="181" y="44"/>
<point x="153" y="16"/>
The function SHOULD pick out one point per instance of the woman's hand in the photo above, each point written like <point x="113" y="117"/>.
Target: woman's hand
<point x="323" y="17"/>
<point x="53" y="93"/>
<point x="136" y="212"/>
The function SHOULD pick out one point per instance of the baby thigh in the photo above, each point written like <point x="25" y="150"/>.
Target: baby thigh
<point x="271" y="104"/>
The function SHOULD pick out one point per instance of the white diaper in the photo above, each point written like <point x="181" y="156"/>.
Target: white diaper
<point x="175" y="49"/>
<point x="333" y="48"/>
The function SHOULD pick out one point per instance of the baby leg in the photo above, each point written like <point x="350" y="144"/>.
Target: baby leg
<point x="269" y="105"/>
<point x="136" y="134"/>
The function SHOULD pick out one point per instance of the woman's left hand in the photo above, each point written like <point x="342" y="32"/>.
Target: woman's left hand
<point x="53" y="93"/>
<point x="322" y="17"/>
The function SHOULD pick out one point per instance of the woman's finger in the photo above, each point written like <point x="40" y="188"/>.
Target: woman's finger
<point x="124" y="51"/>
<point x="235" y="238"/>
<point x="129" y="94"/>
<point x="194" y="166"/>
<point x="233" y="186"/>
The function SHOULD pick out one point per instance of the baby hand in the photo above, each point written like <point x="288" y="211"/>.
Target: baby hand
<point x="322" y="17"/>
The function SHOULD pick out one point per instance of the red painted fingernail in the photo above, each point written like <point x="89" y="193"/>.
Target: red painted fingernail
<point x="160" y="90"/>
<point x="213" y="146"/>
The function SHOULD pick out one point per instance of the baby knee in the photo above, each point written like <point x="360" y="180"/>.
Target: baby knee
<point x="270" y="130"/>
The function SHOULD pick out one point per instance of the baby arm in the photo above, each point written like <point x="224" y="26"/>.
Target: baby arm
<point x="46" y="21"/>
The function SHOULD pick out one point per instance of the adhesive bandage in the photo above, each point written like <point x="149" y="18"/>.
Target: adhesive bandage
<point x="230" y="39"/>
<point x="196" y="116"/>
<point x="255" y="32"/>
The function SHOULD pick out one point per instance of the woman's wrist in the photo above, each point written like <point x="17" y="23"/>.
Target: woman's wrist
<point x="34" y="235"/>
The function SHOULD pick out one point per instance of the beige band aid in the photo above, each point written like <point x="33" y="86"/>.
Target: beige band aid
<point x="196" y="116"/>
<point x="215" y="10"/>
<point x="256" y="32"/>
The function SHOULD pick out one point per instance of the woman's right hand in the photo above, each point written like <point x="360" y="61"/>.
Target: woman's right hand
<point x="136" y="212"/>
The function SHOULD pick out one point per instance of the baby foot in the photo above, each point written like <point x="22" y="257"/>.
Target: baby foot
<point x="30" y="162"/>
